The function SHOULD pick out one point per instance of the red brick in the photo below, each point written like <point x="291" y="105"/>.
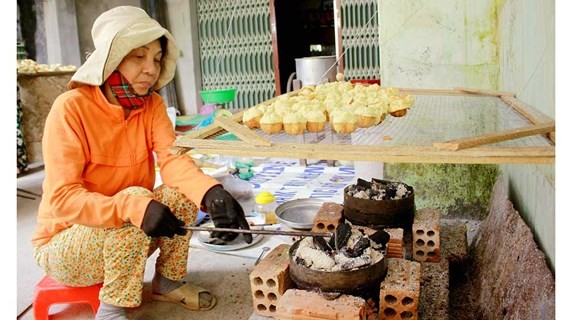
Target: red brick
<point x="307" y="305"/>
<point x="328" y="217"/>
<point x="400" y="290"/>
<point x="426" y="235"/>
<point x="270" y="279"/>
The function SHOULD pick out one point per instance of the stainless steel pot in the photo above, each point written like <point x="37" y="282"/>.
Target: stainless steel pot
<point x="316" y="70"/>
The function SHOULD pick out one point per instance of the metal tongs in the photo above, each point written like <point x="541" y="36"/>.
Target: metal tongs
<point x="262" y="231"/>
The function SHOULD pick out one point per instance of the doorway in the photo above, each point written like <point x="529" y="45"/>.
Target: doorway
<point x="304" y="28"/>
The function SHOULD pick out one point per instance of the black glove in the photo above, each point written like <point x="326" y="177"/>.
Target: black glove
<point x="225" y="212"/>
<point x="159" y="221"/>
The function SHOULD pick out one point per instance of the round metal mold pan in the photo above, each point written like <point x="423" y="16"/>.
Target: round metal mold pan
<point x="397" y="213"/>
<point x="350" y="281"/>
<point x="300" y="213"/>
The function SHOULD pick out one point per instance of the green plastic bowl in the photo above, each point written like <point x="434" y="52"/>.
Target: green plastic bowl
<point x="218" y="96"/>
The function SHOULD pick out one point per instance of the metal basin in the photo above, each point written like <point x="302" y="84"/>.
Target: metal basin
<point x="338" y="281"/>
<point x="299" y="213"/>
<point x="397" y="213"/>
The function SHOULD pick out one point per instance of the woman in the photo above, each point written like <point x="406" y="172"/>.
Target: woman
<point x="98" y="221"/>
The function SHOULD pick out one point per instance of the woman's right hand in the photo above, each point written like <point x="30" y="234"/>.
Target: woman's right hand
<point x="159" y="221"/>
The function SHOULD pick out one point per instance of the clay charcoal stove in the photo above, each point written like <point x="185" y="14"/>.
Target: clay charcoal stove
<point x="379" y="204"/>
<point x="348" y="261"/>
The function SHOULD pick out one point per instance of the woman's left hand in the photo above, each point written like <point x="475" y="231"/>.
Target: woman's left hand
<point x="225" y="212"/>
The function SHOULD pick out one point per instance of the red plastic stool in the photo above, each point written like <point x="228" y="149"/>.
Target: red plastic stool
<point x="48" y="292"/>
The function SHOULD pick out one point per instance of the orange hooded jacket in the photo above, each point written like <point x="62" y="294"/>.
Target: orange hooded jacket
<point x="91" y="153"/>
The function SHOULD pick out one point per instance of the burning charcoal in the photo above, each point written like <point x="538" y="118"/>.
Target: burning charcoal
<point x="301" y="261"/>
<point x="322" y="244"/>
<point x="394" y="185"/>
<point x="351" y="264"/>
<point x="347" y="265"/>
<point x="361" y="195"/>
<point x="401" y="191"/>
<point x="358" y="247"/>
<point x="390" y="193"/>
<point x="380" y="196"/>
<point x="374" y="193"/>
<point x="341" y="236"/>
<point x="363" y="183"/>
<point x="362" y="261"/>
<point x="381" y="237"/>
<point x="382" y="184"/>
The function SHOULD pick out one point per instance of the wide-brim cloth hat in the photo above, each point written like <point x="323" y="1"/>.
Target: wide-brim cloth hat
<point x="115" y="33"/>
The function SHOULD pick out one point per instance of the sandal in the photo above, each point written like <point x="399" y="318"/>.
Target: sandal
<point x="187" y="296"/>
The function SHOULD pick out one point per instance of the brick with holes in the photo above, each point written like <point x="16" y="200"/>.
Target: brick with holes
<point x="426" y="235"/>
<point x="270" y="279"/>
<point x="400" y="290"/>
<point x="394" y="248"/>
<point x="308" y="305"/>
<point x="328" y="217"/>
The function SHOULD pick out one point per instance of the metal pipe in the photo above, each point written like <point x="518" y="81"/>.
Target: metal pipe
<point x="261" y="231"/>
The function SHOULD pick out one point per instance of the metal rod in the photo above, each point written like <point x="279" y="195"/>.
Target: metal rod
<point x="256" y="231"/>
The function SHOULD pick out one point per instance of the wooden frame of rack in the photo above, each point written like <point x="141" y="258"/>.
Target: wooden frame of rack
<point x="472" y="150"/>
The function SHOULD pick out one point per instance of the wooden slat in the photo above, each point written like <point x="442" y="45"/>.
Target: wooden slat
<point x="528" y="112"/>
<point x="495" y="137"/>
<point x="242" y="132"/>
<point x="485" y="92"/>
<point x="211" y="129"/>
<point x="404" y="154"/>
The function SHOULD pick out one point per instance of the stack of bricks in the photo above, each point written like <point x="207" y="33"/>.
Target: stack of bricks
<point x="328" y="217"/>
<point x="308" y="305"/>
<point x="426" y="235"/>
<point x="395" y="246"/>
<point x="270" y="279"/>
<point x="400" y="290"/>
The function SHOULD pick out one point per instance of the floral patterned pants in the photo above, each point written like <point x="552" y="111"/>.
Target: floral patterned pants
<point x="83" y="256"/>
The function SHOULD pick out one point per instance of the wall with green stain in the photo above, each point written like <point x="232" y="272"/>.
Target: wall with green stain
<point x="488" y="44"/>
<point x="442" y="44"/>
<point x="461" y="191"/>
<point x="439" y="44"/>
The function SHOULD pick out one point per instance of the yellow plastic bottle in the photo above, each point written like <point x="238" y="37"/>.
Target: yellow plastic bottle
<point x="265" y="205"/>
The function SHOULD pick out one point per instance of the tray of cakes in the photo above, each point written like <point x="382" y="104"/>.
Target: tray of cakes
<point x="343" y="105"/>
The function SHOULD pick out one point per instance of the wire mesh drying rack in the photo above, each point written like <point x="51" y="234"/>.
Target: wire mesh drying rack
<point x="443" y="126"/>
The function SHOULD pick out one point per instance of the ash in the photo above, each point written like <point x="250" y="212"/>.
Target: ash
<point x="351" y="248"/>
<point x="379" y="190"/>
